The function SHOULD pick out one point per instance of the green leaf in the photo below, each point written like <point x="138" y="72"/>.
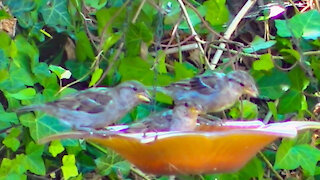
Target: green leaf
<point x="299" y="81"/>
<point x="55" y="148"/>
<point x="112" y="163"/>
<point x="96" y="4"/>
<point x="253" y="169"/>
<point x="290" y="102"/>
<point x="258" y="44"/>
<point x="111" y="40"/>
<point x="78" y="69"/>
<point x="69" y="169"/>
<point x="193" y="17"/>
<point x="290" y="55"/>
<point x="138" y="69"/>
<point x="315" y="65"/>
<point x="22" y="11"/>
<point x="305" y="25"/>
<point x="250" y="110"/>
<point x="34" y="161"/>
<point x="95" y="76"/>
<point x="60" y="72"/>
<point x="4" y="75"/>
<point x="184" y="70"/>
<point x="136" y="34"/>
<point x="105" y="14"/>
<point x="9" y="117"/>
<point x="273" y="84"/>
<point x="84" y="50"/>
<point x="273" y="108"/>
<point x="24" y="94"/>
<point x="13" y="168"/>
<point x="217" y="13"/>
<point x="291" y="157"/>
<point x="55" y="14"/>
<point x="264" y="63"/>
<point x="11" y="140"/>
<point x="41" y="70"/>
<point x="162" y="62"/>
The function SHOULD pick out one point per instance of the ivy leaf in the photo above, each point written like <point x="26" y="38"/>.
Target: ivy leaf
<point x="111" y="40"/>
<point x="138" y="69"/>
<point x="69" y="168"/>
<point x="184" y="70"/>
<point x="264" y="63"/>
<point x="273" y="84"/>
<point x="136" y="34"/>
<point x="34" y="161"/>
<point x="249" y="111"/>
<point x="273" y="108"/>
<point x="56" y="148"/>
<point x="11" y="140"/>
<point x="24" y="94"/>
<point x="112" y="163"/>
<point x="84" y="49"/>
<point x="291" y="157"/>
<point x="217" y="13"/>
<point x="103" y="18"/>
<point x="13" y="168"/>
<point x="55" y="14"/>
<point x="162" y="62"/>
<point x="60" y="72"/>
<point x="22" y="11"/>
<point x="299" y="81"/>
<point x="258" y="44"/>
<point x="78" y="69"/>
<point x="9" y="117"/>
<point x="95" y="76"/>
<point x="290" y="102"/>
<point x="305" y="25"/>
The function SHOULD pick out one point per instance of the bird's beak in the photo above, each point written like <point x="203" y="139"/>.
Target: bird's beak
<point x="195" y="110"/>
<point x="252" y="92"/>
<point x="144" y="97"/>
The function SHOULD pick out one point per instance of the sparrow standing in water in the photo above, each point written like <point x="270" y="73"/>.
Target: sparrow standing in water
<point x="180" y="118"/>
<point x="95" y="108"/>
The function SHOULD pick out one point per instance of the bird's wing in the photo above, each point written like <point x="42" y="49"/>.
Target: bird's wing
<point x="155" y="122"/>
<point x="202" y="84"/>
<point x="90" y="101"/>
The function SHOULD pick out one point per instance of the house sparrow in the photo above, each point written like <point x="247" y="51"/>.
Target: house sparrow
<point x="180" y="118"/>
<point x="95" y="108"/>
<point x="214" y="92"/>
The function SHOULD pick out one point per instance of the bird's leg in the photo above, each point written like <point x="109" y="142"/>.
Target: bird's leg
<point x="209" y="120"/>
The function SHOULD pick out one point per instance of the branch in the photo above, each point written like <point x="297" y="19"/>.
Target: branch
<point x="231" y="29"/>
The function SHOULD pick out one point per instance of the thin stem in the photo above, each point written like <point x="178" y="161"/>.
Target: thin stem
<point x="231" y="29"/>
<point x="270" y="165"/>
<point x="193" y="32"/>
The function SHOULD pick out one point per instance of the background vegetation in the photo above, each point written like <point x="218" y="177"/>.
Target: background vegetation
<point x="52" y="48"/>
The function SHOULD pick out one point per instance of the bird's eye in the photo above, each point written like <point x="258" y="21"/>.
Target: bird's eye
<point x="186" y="104"/>
<point x="134" y="88"/>
<point x="241" y="84"/>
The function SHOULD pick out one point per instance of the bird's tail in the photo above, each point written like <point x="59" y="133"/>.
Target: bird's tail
<point x="26" y="109"/>
<point x="162" y="89"/>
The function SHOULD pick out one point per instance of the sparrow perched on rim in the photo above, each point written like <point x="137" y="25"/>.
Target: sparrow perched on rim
<point x="215" y="92"/>
<point x="180" y="118"/>
<point x="95" y="108"/>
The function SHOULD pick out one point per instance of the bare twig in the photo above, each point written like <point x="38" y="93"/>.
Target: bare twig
<point x="202" y="20"/>
<point x="193" y="32"/>
<point x="110" y="65"/>
<point x="270" y="166"/>
<point x="231" y="29"/>
<point x="134" y="19"/>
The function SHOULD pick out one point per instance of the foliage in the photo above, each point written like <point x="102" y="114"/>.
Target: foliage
<point x="64" y="46"/>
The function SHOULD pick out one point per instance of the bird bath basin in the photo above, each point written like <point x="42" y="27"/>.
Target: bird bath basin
<point x="208" y="149"/>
